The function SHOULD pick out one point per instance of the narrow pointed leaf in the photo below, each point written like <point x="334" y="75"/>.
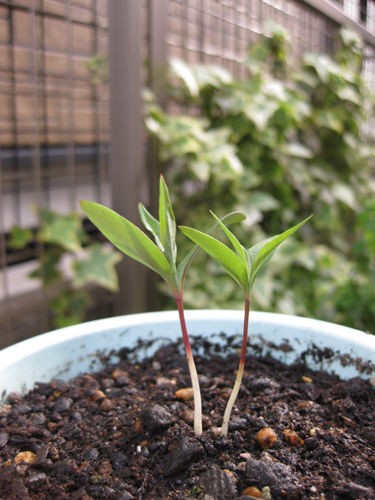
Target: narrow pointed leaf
<point x="232" y="218"/>
<point x="259" y="254"/>
<point x="151" y="224"/>
<point x="167" y="224"/>
<point x="185" y="263"/>
<point x="239" y="249"/>
<point x="128" y="238"/>
<point x="220" y="252"/>
<point x="182" y="268"/>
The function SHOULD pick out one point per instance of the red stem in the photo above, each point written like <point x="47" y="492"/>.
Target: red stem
<point x="245" y="331"/>
<point x="240" y="371"/>
<point x="185" y="335"/>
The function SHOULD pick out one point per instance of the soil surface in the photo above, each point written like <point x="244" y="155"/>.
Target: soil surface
<point x="123" y="433"/>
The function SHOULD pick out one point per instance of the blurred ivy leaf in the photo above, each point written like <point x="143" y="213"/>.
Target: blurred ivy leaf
<point x="62" y="230"/>
<point x="19" y="237"/>
<point x="350" y="38"/>
<point x="184" y="72"/>
<point x="297" y="150"/>
<point x="260" y="111"/>
<point x="212" y="76"/>
<point x="330" y="120"/>
<point x="348" y="93"/>
<point x="97" y="267"/>
<point x="69" y="307"/>
<point x="323" y="65"/>
<point x="346" y="195"/>
<point x="201" y="170"/>
<point x="153" y="125"/>
<point x="255" y="204"/>
<point x="48" y="269"/>
<point x="98" y="67"/>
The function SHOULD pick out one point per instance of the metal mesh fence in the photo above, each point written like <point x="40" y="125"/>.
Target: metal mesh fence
<point x="53" y="130"/>
<point x="214" y="32"/>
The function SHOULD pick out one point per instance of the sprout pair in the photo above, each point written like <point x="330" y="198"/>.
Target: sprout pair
<point x="161" y="256"/>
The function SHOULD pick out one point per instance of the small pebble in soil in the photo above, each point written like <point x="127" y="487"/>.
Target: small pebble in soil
<point x="36" y="479"/>
<point x="25" y="457"/>
<point x="165" y="381"/>
<point x="4" y="436"/>
<point x="180" y="453"/>
<point x="353" y="491"/>
<point x="98" y="395"/>
<point x="276" y="475"/>
<point x="237" y="423"/>
<point x="266" y="437"/>
<point x="121" y="377"/>
<point x="252" y="491"/>
<point x="293" y="438"/>
<point x="106" y="404"/>
<point x="186" y="394"/>
<point x="219" y="484"/>
<point x="62" y="404"/>
<point x="155" y="417"/>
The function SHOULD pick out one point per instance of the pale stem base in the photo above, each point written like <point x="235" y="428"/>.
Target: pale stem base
<point x="197" y="397"/>
<point x="192" y="370"/>
<point x="241" y="368"/>
<point x="231" y="401"/>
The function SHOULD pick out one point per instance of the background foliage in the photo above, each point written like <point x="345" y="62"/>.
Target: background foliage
<point x="67" y="264"/>
<point x="278" y="145"/>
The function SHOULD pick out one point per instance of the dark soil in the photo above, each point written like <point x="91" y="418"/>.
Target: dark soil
<point x="122" y="433"/>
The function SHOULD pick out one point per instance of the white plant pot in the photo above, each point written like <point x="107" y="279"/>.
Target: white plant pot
<point x="69" y="351"/>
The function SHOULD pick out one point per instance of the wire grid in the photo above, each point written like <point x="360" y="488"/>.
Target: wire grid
<point x="53" y="126"/>
<point x="220" y="32"/>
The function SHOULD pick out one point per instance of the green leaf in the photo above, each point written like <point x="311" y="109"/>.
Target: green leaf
<point x="69" y="307"/>
<point x="201" y="170"/>
<point x="211" y="76"/>
<point x="20" y="237"/>
<point x="343" y="193"/>
<point x="167" y="224"/>
<point x="62" y="230"/>
<point x="297" y="150"/>
<point x="231" y="218"/>
<point x="239" y="249"/>
<point x="220" y="252"/>
<point x="183" y="71"/>
<point x="151" y="224"/>
<point x="97" y="267"/>
<point x="330" y="120"/>
<point x="185" y="264"/>
<point x="48" y="269"/>
<point x="259" y="254"/>
<point x="128" y="238"/>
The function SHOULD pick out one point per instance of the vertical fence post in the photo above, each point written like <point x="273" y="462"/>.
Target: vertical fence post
<point x="158" y="47"/>
<point x="157" y="27"/>
<point x="157" y="50"/>
<point x="127" y="172"/>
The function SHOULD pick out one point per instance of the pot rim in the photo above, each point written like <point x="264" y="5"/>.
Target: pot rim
<point x="67" y="352"/>
<point x="53" y="337"/>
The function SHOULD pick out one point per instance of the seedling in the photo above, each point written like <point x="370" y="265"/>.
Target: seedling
<point x="160" y="256"/>
<point x="242" y="265"/>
